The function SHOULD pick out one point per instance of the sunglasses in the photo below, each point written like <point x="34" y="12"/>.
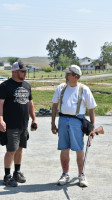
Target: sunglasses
<point x="22" y="71"/>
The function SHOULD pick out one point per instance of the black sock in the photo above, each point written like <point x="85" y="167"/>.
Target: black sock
<point x="7" y="171"/>
<point x="17" y="167"/>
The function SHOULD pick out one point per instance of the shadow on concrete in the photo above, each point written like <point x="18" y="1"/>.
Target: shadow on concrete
<point x="38" y="188"/>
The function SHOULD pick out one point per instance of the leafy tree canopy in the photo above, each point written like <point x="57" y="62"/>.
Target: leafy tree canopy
<point x="11" y="60"/>
<point x="61" y="47"/>
<point x="106" y="53"/>
<point x="65" y="61"/>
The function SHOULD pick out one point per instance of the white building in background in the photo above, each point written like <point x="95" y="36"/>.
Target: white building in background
<point x="108" y="66"/>
<point x="87" y="64"/>
<point x="7" y="66"/>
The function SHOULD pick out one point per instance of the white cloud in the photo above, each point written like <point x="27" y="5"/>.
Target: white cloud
<point x="14" y="6"/>
<point x="84" y="10"/>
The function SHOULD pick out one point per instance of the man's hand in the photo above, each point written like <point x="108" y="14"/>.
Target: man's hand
<point x="2" y="126"/>
<point x="92" y="134"/>
<point x="54" y="129"/>
<point x="34" y="126"/>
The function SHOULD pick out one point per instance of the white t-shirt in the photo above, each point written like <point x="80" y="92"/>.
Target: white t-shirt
<point x="70" y="99"/>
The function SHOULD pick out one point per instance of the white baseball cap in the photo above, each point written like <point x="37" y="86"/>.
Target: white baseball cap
<point x="73" y="68"/>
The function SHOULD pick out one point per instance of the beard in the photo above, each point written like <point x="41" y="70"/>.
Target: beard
<point x="21" y="77"/>
<point x="67" y="82"/>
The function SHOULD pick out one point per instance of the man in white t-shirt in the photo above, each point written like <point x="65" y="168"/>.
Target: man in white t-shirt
<point x="69" y="128"/>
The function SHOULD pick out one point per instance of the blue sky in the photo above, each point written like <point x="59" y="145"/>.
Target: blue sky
<point x="26" y="26"/>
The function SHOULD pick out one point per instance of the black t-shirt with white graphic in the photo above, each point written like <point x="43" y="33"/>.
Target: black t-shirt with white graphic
<point x="16" y="105"/>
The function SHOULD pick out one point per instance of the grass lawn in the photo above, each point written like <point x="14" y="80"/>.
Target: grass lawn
<point x="54" y="74"/>
<point x="101" y="93"/>
<point x="43" y="98"/>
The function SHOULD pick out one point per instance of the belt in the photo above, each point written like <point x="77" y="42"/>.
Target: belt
<point x="66" y="115"/>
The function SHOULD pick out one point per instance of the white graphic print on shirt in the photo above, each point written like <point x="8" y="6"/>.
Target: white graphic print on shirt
<point x="21" y="95"/>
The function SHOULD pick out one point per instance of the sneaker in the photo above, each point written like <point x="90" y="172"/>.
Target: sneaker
<point x="63" y="179"/>
<point x="19" y="177"/>
<point x="9" y="181"/>
<point x="82" y="180"/>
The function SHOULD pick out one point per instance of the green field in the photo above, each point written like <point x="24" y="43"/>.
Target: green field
<point x="53" y="75"/>
<point x="102" y="94"/>
<point x="43" y="99"/>
<point x="101" y="89"/>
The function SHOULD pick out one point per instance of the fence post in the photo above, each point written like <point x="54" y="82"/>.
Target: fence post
<point x="34" y="73"/>
<point x="28" y="73"/>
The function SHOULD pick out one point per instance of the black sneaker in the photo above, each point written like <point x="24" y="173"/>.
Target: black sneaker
<point x="9" y="181"/>
<point x="18" y="176"/>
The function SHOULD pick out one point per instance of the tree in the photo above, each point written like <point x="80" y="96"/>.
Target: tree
<point x="106" y="53"/>
<point x="75" y="62"/>
<point x="61" y="47"/>
<point x="63" y="62"/>
<point x="98" y="63"/>
<point x="11" y="60"/>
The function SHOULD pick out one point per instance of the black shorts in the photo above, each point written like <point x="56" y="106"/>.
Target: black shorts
<point x="16" y="138"/>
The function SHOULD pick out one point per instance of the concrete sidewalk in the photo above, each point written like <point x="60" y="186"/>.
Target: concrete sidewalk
<point x="41" y="166"/>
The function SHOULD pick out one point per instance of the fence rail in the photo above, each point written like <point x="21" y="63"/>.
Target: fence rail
<point x="60" y="75"/>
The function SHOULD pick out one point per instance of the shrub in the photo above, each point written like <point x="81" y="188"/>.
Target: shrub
<point x="48" y="69"/>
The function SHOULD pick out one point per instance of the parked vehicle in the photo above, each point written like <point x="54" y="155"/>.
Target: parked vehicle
<point x="2" y="79"/>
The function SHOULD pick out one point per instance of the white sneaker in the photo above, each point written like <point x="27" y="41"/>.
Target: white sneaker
<point x="63" y="179"/>
<point x="82" y="180"/>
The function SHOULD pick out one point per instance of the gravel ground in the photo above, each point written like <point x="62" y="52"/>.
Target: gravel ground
<point x="41" y="166"/>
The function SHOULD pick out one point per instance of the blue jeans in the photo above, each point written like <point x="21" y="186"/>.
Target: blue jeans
<point x="70" y="134"/>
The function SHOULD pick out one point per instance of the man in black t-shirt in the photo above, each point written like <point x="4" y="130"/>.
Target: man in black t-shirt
<point x="16" y="105"/>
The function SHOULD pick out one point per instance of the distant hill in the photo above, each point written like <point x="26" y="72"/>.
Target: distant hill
<point x="38" y="61"/>
<point x="4" y="59"/>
